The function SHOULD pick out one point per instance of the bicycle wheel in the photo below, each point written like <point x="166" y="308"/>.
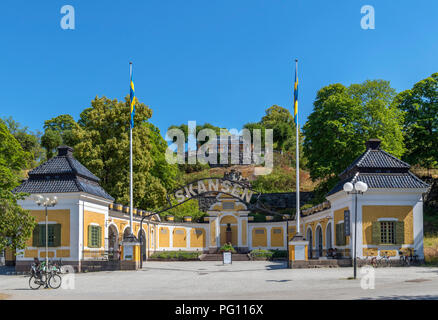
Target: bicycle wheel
<point x="55" y="281"/>
<point x="35" y="283"/>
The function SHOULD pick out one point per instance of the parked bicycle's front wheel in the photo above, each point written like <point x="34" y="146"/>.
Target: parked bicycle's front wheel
<point x="55" y="281"/>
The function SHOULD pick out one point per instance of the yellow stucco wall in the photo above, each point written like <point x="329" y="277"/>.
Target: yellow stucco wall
<point x="164" y="237"/>
<point x="259" y="240"/>
<point x="277" y="238"/>
<point x="62" y="253"/>
<point x="228" y="219"/>
<point x="179" y="239"/>
<point x="244" y="235"/>
<point x="213" y="233"/>
<point x="31" y="253"/>
<point x="94" y="217"/>
<point x="197" y="240"/>
<point x="121" y="224"/>
<point x="50" y="254"/>
<point x="58" y="216"/>
<point x="370" y="214"/>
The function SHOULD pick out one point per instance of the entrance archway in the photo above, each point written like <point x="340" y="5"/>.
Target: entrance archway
<point x="310" y="239"/>
<point x="113" y="242"/>
<point x="328" y="236"/>
<point x="127" y="232"/>
<point x="318" y="241"/>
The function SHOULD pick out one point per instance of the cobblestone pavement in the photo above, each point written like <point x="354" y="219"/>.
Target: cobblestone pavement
<point x="242" y="280"/>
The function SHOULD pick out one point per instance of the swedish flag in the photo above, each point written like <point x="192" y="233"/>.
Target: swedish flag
<point x="296" y="97"/>
<point x="132" y="101"/>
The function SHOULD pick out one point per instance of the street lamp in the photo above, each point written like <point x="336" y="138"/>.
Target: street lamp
<point x="46" y="202"/>
<point x="358" y="188"/>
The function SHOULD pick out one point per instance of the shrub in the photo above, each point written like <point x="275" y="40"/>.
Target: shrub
<point x="279" y="254"/>
<point x="176" y="255"/>
<point x="261" y="253"/>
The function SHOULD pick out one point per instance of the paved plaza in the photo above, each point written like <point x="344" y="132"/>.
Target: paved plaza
<point x="257" y="280"/>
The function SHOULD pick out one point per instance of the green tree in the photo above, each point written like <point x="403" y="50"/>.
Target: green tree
<point x="281" y="121"/>
<point x="50" y="141"/>
<point x="16" y="224"/>
<point x="103" y="147"/>
<point x="58" y="131"/>
<point x="343" y="119"/>
<point x="420" y="128"/>
<point x="29" y="141"/>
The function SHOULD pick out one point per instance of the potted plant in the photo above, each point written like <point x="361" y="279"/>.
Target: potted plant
<point x="227" y="251"/>
<point x="227" y="247"/>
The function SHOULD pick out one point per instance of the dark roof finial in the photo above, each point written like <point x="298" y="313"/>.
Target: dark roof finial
<point x="373" y="144"/>
<point x="65" y="151"/>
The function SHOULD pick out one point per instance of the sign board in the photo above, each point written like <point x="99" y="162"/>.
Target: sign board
<point x="128" y="252"/>
<point x="300" y="253"/>
<point x="227" y="258"/>
<point x="347" y="222"/>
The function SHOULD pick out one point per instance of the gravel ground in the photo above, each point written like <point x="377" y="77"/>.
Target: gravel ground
<point x="258" y="280"/>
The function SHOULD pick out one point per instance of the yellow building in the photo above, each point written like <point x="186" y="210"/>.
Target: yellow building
<point x="86" y="227"/>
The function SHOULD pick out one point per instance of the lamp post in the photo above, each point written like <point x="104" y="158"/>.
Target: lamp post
<point x="46" y="202"/>
<point x="358" y="188"/>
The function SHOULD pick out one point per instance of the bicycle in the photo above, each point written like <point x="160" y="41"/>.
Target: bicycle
<point x="41" y="274"/>
<point x="385" y="261"/>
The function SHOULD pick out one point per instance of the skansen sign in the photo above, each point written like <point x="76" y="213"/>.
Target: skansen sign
<point x="211" y="185"/>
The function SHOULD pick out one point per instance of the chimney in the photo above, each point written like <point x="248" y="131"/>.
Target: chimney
<point x="373" y="144"/>
<point x="65" y="151"/>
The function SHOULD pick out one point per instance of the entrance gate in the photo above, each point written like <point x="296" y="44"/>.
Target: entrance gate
<point x="215" y="187"/>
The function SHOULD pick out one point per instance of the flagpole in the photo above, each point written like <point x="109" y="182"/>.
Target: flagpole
<point x="130" y="160"/>
<point x="297" y="161"/>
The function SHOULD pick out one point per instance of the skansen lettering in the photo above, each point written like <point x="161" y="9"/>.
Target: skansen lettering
<point x="213" y="185"/>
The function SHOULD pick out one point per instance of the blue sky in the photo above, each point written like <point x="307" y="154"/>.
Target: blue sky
<point x="217" y="61"/>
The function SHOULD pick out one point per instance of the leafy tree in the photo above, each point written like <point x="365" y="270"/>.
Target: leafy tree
<point x="420" y="128"/>
<point x="281" y="121"/>
<point x="189" y="208"/>
<point x="50" y="141"/>
<point x="29" y="141"/>
<point x="184" y="128"/>
<point x="103" y="147"/>
<point x="343" y="119"/>
<point x="58" y="131"/>
<point x="189" y="168"/>
<point x="16" y="224"/>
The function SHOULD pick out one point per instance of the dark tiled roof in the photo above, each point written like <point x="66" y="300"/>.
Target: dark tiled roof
<point x="380" y="170"/>
<point x="62" y="174"/>
<point x="63" y="165"/>
<point x="376" y="160"/>
<point x="405" y="180"/>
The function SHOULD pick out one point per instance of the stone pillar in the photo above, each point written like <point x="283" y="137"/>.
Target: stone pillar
<point x="298" y="251"/>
